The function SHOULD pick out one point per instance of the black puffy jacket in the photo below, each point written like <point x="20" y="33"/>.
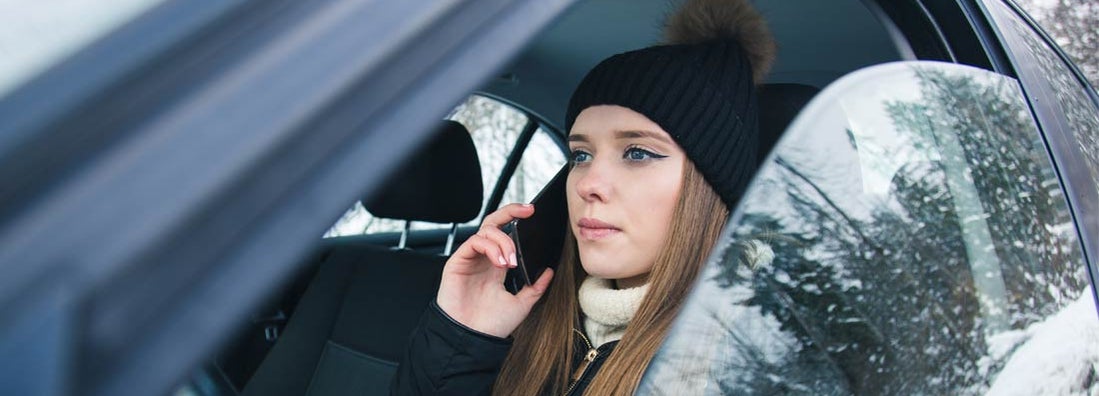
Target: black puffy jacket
<point x="446" y="358"/>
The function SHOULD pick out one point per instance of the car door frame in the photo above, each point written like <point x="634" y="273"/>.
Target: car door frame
<point x="1080" y="189"/>
<point x="165" y="179"/>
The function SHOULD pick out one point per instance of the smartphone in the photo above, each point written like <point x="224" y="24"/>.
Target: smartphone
<point x="539" y="238"/>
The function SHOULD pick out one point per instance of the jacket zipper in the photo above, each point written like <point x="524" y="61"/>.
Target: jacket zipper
<point x="583" y="368"/>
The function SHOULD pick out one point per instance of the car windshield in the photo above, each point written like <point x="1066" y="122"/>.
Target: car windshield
<point x="907" y="236"/>
<point x="36" y="35"/>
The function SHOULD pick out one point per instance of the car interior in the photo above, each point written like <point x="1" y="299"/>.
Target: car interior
<point x="340" y="325"/>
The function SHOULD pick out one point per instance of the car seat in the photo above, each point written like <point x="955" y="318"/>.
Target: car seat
<point x="778" y="105"/>
<point x="350" y="327"/>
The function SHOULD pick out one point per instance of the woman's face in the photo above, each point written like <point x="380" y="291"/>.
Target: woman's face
<point x="622" y="190"/>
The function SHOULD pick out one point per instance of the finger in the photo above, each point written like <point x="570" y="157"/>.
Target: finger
<point x="499" y="275"/>
<point x="507" y="213"/>
<point x="489" y="249"/>
<point x="466" y="250"/>
<point x="503" y="241"/>
<point x="531" y="294"/>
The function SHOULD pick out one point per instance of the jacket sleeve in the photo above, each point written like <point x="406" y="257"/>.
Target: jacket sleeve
<point x="444" y="357"/>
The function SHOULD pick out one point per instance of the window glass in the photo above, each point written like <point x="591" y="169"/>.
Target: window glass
<point x="358" y="221"/>
<point x="542" y="158"/>
<point x="908" y="237"/>
<point x="1070" y="94"/>
<point x="1070" y="24"/>
<point x="494" y="126"/>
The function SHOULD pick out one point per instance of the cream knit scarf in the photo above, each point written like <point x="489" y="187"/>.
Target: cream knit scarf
<point x="607" y="310"/>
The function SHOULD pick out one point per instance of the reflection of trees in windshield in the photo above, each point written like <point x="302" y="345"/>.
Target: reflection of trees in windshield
<point x="1017" y="187"/>
<point x="880" y="293"/>
<point x="1071" y="95"/>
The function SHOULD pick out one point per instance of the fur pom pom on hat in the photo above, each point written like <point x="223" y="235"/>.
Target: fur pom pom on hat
<point x="699" y="21"/>
<point x="699" y="86"/>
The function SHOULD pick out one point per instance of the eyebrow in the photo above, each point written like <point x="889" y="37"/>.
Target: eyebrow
<point x="579" y="137"/>
<point x="641" y="134"/>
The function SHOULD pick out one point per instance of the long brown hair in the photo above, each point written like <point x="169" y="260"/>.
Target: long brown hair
<point x="541" y="357"/>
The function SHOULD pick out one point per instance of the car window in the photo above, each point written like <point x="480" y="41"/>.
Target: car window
<point x="542" y="158"/>
<point x="35" y="35"/>
<point x="908" y="236"/>
<point x="1070" y="94"/>
<point x="494" y="126"/>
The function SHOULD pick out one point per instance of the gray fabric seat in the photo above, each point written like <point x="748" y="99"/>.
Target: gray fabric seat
<point x="350" y="327"/>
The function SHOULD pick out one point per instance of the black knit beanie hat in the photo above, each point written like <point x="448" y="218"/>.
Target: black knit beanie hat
<point x="700" y="88"/>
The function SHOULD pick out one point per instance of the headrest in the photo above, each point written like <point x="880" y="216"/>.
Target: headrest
<point x="440" y="184"/>
<point x="778" y="104"/>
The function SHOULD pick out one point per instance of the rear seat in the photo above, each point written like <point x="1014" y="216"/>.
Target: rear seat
<point x="351" y="325"/>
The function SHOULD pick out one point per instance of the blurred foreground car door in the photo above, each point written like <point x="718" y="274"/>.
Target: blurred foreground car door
<point x="160" y="182"/>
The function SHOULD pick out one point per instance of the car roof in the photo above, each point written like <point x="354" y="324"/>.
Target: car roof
<point x="818" y="41"/>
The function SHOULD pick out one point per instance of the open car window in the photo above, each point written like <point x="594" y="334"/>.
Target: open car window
<point x="908" y="235"/>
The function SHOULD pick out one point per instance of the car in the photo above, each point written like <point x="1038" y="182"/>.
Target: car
<point x="200" y="201"/>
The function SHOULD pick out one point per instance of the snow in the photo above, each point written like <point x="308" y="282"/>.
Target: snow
<point x="1058" y="356"/>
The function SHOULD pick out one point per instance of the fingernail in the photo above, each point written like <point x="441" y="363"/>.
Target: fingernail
<point x="502" y="261"/>
<point x="528" y="205"/>
<point x="514" y="261"/>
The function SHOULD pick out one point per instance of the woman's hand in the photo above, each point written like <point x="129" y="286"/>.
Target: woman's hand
<point x="472" y="291"/>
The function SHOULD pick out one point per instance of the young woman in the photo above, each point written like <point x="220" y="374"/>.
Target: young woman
<point x="663" y="142"/>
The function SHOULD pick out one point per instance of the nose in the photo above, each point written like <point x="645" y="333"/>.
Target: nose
<point x="592" y="183"/>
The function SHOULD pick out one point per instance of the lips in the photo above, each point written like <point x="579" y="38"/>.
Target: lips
<point x="596" y="229"/>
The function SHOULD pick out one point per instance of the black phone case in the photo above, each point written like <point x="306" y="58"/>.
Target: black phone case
<point x="539" y="239"/>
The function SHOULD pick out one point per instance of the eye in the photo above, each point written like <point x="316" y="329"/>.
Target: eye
<point x="579" y="157"/>
<point x="640" y="154"/>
